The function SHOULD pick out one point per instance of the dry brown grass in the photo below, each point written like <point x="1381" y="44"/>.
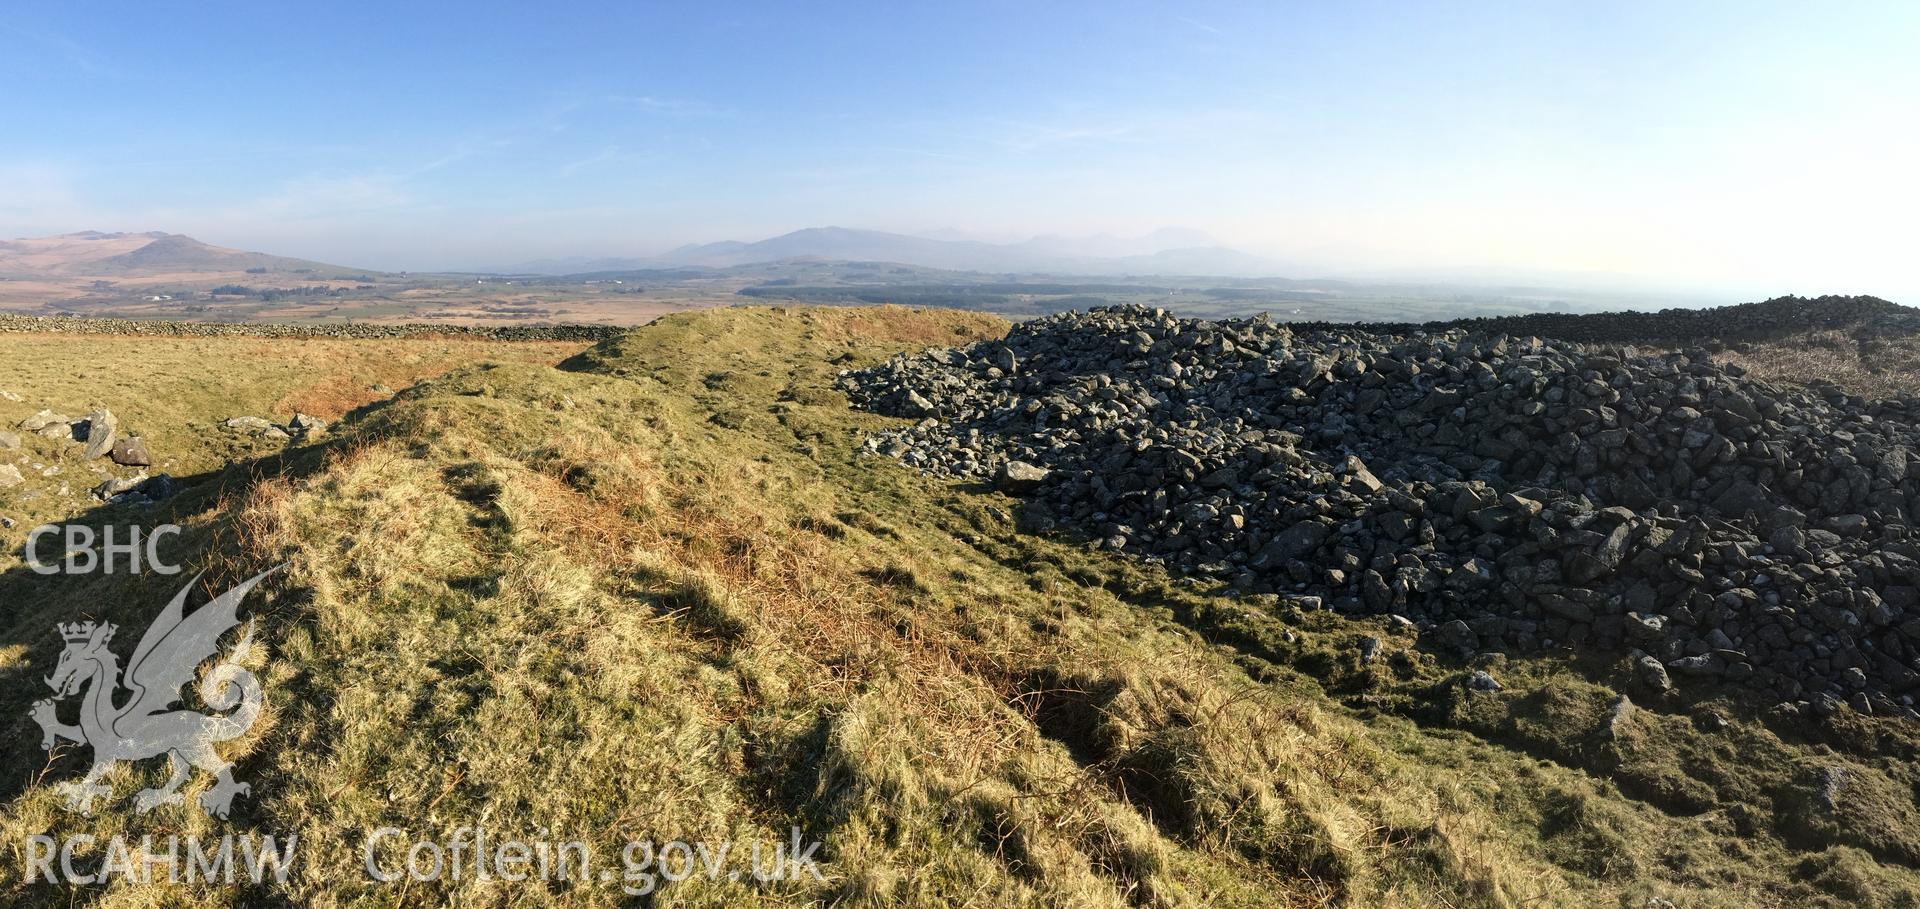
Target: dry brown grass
<point x="173" y="392"/>
<point x="1869" y="366"/>
<point x="579" y="601"/>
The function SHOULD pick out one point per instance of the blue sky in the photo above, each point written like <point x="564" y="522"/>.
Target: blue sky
<point x="1759" y="146"/>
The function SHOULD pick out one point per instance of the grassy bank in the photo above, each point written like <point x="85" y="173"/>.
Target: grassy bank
<point x="657" y="593"/>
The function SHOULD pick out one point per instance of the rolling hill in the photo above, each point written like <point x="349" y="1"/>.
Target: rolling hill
<point x="98" y="254"/>
<point x="1165" y="252"/>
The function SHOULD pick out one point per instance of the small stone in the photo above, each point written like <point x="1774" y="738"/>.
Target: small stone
<point x="1646" y="628"/>
<point x="1481" y="680"/>
<point x="118" y="486"/>
<point x="1356" y="472"/>
<point x="1457" y="637"/>
<point x="1020" y="476"/>
<point x="1699" y="664"/>
<point x="1651" y="675"/>
<point x="303" y="426"/>
<point x="1709" y="721"/>
<point x="247" y="424"/>
<point x="10" y="476"/>
<point x="44" y="419"/>
<point x="1561" y="607"/>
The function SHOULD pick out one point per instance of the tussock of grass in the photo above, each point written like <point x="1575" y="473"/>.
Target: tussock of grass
<point x="1861" y="362"/>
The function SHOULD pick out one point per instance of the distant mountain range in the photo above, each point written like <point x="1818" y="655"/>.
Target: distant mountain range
<point x="1171" y="251"/>
<point x="96" y="254"/>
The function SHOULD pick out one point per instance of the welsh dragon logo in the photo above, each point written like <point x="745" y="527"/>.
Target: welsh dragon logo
<point x="142" y="724"/>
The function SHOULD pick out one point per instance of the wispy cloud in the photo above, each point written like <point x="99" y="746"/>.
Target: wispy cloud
<point x="1200" y="25"/>
<point x="332" y="193"/>
<point x="1031" y="137"/>
<point x="669" y="107"/>
<point x="915" y="152"/>
<point x="78" y="55"/>
<point x="574" y="167"/>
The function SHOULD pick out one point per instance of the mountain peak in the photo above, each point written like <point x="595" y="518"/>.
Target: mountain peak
<point x="1197" y="251"/>
<point x="103" y="253"/>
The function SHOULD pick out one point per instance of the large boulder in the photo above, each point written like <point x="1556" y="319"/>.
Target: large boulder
<point x="102" y="428"/>
<point x="132" y="452"/>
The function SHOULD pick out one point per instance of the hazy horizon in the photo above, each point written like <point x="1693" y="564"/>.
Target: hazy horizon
<point x="1720" y="147"/>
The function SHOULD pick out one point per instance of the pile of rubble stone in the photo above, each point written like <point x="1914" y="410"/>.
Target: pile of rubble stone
<point x="1507" y="494"/>
<point x="98" y="436"/>
<point x="1769" y="319"/>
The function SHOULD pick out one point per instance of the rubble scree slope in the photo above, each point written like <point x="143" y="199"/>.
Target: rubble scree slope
<point x="1508" y="494"/>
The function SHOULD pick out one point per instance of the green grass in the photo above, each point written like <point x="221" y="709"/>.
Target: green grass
<point x="174" y="392"/>
<point x="659" y="593"/>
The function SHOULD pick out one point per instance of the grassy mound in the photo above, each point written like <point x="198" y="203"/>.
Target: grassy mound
<point x="657" y="593"/>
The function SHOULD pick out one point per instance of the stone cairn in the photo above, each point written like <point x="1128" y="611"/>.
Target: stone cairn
<point x="1506" y="494"/>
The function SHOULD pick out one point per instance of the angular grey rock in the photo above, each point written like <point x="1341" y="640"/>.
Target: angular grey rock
<point x="247" y="424"/>
<point x="1619" y="719"/>
<point x="132" y="452"/>
<point x="1788" y="540"/>
<point x="9" y="441"/>
<point x="102" y="428"/>
<point x="306" y="427"/>
<point x="1646" y="629"/>
<point x="1649" y="672"/>
<point x="1457" y="637"/>
<point x="10" y="476"/>
<point x="1356" y="472"/>
<point x="1741" y="498"/>
<point x="1019" y="476"/>
<point x="1699" y="664"/>
<point x="1296" y="541"/>
<point x="115" y="487"/>
<point x="44" y="419"/>
<point x="1571" y="610"/>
